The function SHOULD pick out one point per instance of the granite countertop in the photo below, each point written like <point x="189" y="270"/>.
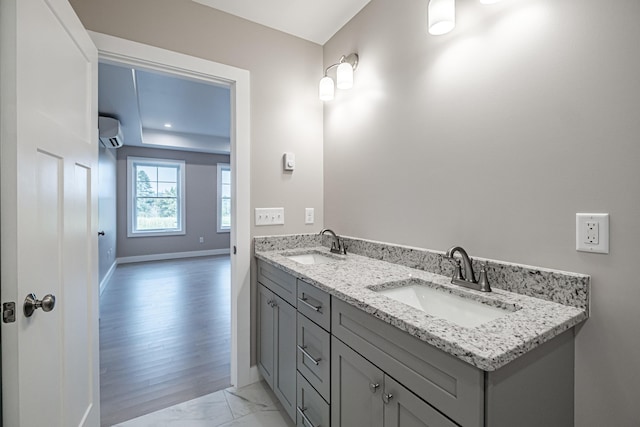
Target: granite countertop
<point x="489" y="346"/>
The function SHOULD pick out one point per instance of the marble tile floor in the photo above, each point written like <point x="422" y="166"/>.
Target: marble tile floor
<point x="251" y="406"/>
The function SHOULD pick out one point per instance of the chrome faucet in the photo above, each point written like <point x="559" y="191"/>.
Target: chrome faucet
<point x="336" y="246"/>
<point x="468" y="279"/>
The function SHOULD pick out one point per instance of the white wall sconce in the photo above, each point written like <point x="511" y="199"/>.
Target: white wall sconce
<point x="442" y="16"/>
<point x="344" y="77"/>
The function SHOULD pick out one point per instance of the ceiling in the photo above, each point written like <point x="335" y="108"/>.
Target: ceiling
<point x="313" y="20"/>
<point x="143" y="102"/>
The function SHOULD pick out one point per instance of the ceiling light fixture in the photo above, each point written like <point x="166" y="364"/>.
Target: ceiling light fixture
<point x="344" y="77"/>
<point x="489" y="1"/>
<point x="167" y="125"/>
<point x="442" y="16"/>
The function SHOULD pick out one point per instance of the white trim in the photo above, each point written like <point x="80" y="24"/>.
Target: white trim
<point x="121" y="51"/>
<point x="132" y="161"/>
<point x="105" y="279"/>
<point x="221" y="167"/>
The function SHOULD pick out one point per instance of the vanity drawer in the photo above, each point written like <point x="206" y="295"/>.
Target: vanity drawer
<point x="310" y="405"/>
<point x="314" y="355"/>
<point x="452" y="386"/>
<point x="315" y="304"/>
<point x="279" y="282"/>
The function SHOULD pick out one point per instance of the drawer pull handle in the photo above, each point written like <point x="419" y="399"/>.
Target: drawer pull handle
<point x="386" y="397"/>
<point x="305" y="419"/>
<point x="304" y="351"/>
<point x="304" y="300"/>
<point x="374" y="387"/>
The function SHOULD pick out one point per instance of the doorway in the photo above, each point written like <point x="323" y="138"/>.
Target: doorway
<point x="164" y="325"/>
<point x="115" y="50"/>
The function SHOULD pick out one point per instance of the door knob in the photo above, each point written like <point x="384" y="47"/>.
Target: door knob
<point x="31" y="303"/>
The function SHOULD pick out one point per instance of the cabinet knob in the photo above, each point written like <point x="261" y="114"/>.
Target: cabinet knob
<point x="386" y="397"/>
<point x="374" y="387"/>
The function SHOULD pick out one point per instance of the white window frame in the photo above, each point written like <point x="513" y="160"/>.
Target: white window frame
<point x="220" y="228"/>
<point x="131" y="195"/>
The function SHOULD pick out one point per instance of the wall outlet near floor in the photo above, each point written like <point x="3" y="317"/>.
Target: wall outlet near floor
<point x="201" y="239"/>
<point x="592" y="233"/>
<point x="308" y="215"/>
<point x="269" y="216"/>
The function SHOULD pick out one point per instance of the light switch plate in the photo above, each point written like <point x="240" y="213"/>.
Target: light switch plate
<point x="269" y="216"/>
<point x="592" y="232"/>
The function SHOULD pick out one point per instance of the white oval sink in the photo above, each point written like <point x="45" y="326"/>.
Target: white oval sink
<point x="312" y="258"/>
<point x="454" y="308"/>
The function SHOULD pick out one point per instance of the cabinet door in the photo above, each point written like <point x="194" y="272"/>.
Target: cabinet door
<point x="266" y="333"/>
<point x="402" y="408"/>
<point x="356" y="388"/>
<point x="284" y="381"/>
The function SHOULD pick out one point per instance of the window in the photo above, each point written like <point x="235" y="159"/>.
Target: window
<point x="224" y="198"/>
<point x="155" y="204"/>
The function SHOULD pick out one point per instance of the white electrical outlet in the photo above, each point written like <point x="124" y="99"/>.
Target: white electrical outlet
<point x="201" y="239"/>
<point x="592" y="233"/>
<point x="308" y="216"/>
<point x="269" y="216"/>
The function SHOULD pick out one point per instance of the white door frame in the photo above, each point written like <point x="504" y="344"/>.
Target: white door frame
<point x="144" y="56"/>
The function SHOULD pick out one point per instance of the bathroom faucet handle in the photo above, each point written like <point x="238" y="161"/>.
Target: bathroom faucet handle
<point x="343" y="247"/>
<point x="457" y="266"/>
<point x="483" y="280"/>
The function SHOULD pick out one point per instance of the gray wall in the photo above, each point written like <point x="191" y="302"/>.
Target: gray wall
<point x="200" y="205"/>
<point x="493" y="137"/>
<point x="106" y="210"/>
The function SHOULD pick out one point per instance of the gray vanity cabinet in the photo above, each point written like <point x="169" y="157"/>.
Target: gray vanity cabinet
<point x="356" y="389"/>
<point x="314" y="355"/>
<point x="266" y="334"/>
<point x="277" y="347"/>
<point x="312" y="409"/>
<point x="364" y="395"/>
<point x="404" y="409"/>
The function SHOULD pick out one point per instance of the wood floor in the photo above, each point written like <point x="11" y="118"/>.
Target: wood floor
<point x="165" y="335"/>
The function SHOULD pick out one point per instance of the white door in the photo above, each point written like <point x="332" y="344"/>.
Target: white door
<point x="48" y="106"/>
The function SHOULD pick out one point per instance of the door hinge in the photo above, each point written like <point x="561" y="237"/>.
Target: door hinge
<point x="9" y="312"/>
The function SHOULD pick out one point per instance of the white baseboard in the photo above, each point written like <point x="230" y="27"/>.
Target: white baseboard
<point x="254" y="374"/>
<point x="105" y="279"/>
<point x="174" y="255"/>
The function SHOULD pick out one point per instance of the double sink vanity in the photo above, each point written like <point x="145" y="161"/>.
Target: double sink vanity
<point x="380" y="336"/>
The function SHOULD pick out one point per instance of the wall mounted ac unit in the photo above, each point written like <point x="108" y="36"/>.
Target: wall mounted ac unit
<point x="110" y="132"/>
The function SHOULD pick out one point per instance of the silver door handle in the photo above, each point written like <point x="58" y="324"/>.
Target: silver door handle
<point x="304" y="351"/>
<point x="374" y="387"/>
<point x="32" y="303"/>
<point x="305" y="300"/>
<point x="305" y="419"/>
<point x="386" y="397"/>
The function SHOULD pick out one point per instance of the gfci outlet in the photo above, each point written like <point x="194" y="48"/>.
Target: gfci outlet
<point x="592" y="233"/>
